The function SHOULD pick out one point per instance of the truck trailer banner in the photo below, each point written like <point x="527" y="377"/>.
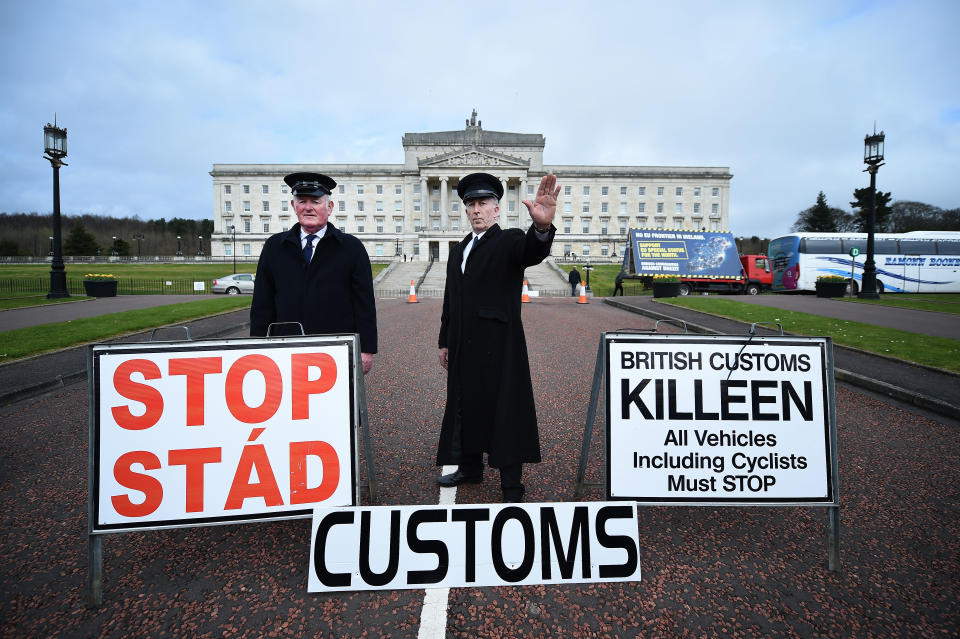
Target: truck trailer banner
<point x="684" y="253"/>
<point x="720" y="419"/>
<point x="455" y="546"/>
<point x="225" y="431"/>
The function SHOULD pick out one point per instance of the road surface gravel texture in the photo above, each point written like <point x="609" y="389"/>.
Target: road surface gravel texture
<point x="707" y="572"/>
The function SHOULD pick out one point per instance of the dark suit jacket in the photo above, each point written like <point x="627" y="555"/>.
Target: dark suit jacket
<point x="332" y="294"/>
<point x="490" y="405"/>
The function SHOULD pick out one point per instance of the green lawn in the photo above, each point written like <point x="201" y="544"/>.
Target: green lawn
<point x="938" y="352"/>
<point x="602" y="279"/>
<point x="23" y="342"/>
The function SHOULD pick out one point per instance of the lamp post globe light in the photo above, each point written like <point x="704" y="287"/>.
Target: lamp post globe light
<point x="55" y="147"/>
<point x="179" y="252"/>
<point x="873" y="158"/>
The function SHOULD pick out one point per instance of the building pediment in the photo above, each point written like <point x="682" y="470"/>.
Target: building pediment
<point x="473" y="157"/>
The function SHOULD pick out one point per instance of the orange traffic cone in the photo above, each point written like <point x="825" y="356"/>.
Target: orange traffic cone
<point x="583" y="294"/>
<point x="413" y="294"/>
<point x="525" y="298"/>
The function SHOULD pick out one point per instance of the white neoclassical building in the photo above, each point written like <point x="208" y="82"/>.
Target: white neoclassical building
<point x="412" y="209"/>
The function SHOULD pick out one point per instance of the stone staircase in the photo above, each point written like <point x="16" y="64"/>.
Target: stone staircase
<point x="430" y="277"/>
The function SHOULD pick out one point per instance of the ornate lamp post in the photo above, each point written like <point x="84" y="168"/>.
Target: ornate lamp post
<point x="55" y="146"/>
<point x="200" y="245"/>
<point x="113" y="247"/>
<point x="179" y="252"/>
<point x="873" y="158"/>
<point x="138" y="237"/>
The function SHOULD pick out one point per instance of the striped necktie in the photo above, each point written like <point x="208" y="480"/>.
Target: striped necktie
<point x="308" y="248"/>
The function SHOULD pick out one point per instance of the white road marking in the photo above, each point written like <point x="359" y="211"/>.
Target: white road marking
<point x="433" y="616"/>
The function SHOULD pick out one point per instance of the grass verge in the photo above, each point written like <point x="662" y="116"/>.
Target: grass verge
<point x="23" y="342"/>
<point x="939" y="352"/>
<point x="939" y="302"/>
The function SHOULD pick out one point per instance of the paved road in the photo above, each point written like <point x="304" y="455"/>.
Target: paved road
<point x="707" y="572"/>
<point x="66" y="311"/>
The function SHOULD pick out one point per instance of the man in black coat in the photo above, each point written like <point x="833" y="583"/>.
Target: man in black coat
<point x="490" y="407"/>
<point x="574" y="279"/>
<point x="315" y="273"/>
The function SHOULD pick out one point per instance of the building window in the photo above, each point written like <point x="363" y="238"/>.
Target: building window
<point x="586" y="207"/>
<point x="604" y="190"/>
<point x="266" y="205"/>
<point x="604" y="250"/>
<point x="416" y="189"/>
<point x="696" y="207"/>
<point x="678" y="222"/>
<point x="246" y="205"/>
<point x="529" y="189"/>
<point x="360" y="205"/>
<point x="283" y="206"/>
<point x="716" y="192"/>
<point x="642" y="190"/>
<point x="714" y="209"/>
<point x="397" y="189"/>
<point x="398" y="224"/>
<point x="283" y="188"/>
<point x="623" y="226"/>
<point x="455" y="224"/>
<point x="340" y="189"/>
<point x="265" y="189"/>
<point x="398" y="206"/>
<point x="586" y="249"/>
<point x="696" y="191"/>
<point x="585" y="225"/>
<point x="642" y="221"/>
<point x="567" y="207"/>
<point x="228" y="206"/>
<point x="455" y="206"/>
<point x="435" y="223"/>
<point x="266" y="227"/>
<point x="246" y="226"/>
<point x="246" y="249"/>
<point x="679" y="191"/>
<point x="246" y="188"/>
<point x="567" y="222"/>
<point x="379" y="206"/>
<point x="603" y="227"/>
<point x="379" y="225"/>
<point x="511" y="206"/>
<point x="659" y="207"/>
<point x="342" y="206"/>
<point x="623" y="207"/>
<point x="379" y="189"/>
<point x="511" y="190"/>
<point x="359" y="189"/>
<point x="641" y="208"/>
<point x="678" y="207"/>
<point x="435" y="206"/>
<point x="416" y="249"/>
<point x="660" y="222"/>
<point x="623" y="191"/>
<point x="360" y="223"/>
<point x="567" y="249"/>
<point x="226" y="189"/>
<point x="659" y="191"/>
<point x="416" y="205"/>
<point x="586" y="190"/>
<point x="566" y="191"/>
<point x="436" y="190"/>
<point x="603" y="207"/>
<point x="379" y="250"/>
<point x="227" y="250"/>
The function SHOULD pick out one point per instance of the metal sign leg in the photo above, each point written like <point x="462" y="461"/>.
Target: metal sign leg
<point x="833" y="541"/>
<point x="94" y="571"/>
<point x="365" y="436"/>
<point x="591" y="417"/>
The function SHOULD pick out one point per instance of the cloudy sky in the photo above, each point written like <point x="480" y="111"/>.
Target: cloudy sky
<point x="154" y="93"/>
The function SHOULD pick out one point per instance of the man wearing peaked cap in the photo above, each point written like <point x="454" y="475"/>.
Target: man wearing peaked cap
<point x="315" y="274"/>
<point x="490" y="407"/>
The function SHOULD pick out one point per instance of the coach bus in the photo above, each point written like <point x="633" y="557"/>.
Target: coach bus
<point x="915" y="262"/>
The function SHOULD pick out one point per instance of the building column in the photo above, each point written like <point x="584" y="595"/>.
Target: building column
<point x="444" y="205"/>
<point x="522" y="216"/>
<point x="504" y="207"/>
<point x="424" y="205"/>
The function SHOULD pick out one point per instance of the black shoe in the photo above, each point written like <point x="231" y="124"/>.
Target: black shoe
<point x="458" y="477"/>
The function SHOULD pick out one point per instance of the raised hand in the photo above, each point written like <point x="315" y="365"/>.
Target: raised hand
<point x="544" y="207"/>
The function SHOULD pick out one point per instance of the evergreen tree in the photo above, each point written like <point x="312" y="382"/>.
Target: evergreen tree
<point x="820" y="218"/>
<point x="861" y="203"/>
<point x="80" y="242"/>
<point x="9" y="247"/>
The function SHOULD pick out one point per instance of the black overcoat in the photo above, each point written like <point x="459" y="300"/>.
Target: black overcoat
<point x="490" y="405"/>
<point x="331" y="294"/>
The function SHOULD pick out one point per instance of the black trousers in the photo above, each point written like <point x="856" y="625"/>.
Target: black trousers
<point x="510" y="476"/>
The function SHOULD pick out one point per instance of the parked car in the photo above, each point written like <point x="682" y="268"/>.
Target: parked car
<point x="233" y="284"/>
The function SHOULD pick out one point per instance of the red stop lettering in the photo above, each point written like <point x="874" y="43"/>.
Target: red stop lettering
<point x="303" y="387"/>
<point x="149" y="486"/>
<point x="147" y="395"/>
<point x="195" y="368"/>
<point x="234" y="389"/>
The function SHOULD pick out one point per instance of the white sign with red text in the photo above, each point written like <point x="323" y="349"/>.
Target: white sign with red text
<point x="221" y="431"/>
